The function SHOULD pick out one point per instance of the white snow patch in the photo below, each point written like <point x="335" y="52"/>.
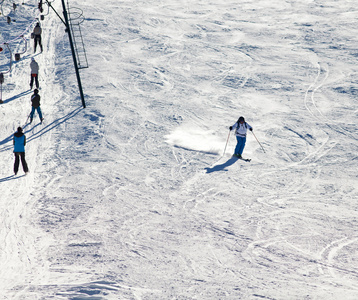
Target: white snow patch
<point x="196" y="139"/>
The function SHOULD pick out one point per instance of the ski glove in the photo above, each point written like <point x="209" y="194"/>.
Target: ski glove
<point x="230" y="127"/>
<point x="250" y="129"/>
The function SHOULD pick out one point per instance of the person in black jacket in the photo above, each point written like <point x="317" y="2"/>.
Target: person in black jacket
<point x="35" y="100"/>
<point x="19" y="141"/>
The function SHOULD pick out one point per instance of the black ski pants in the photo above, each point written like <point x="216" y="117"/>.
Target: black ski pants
<point x="19" y="155"/>
<point x="34" y="76"/>
<point x="37" y="39"/>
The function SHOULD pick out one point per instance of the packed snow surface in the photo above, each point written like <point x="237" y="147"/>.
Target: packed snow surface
<point x="136" y="196"/>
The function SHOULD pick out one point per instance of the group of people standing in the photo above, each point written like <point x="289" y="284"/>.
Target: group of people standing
<point x="19" y="139"/>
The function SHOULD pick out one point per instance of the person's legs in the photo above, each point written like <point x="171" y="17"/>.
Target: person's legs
<point x="23" y="162"/>
<point x="39" y="112"/>
<point x="32" y="81"/>
<point x="37" y="80"/>
<point x="40" y="43"/>
<point x="242" y="145"/>
<point x="32" y="113"/>
<point x="238" y="145"/>
<point x="16" y="164"/>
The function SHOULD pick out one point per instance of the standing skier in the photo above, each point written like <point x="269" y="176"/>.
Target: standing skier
<point x="240" y="128"/>
<point x="35" y="101"/>
<point x="34" y="73"/>
<point x="37" y="36"/>
<point x="19" y="150"/>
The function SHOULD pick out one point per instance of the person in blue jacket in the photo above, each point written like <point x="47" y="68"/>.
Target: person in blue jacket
<point x="19" y="150"/>
<point x="240" y="128"/>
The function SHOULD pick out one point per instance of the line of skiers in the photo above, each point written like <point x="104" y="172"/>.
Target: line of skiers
<point x="19" y="139"/>
<point x="35" y="98"/>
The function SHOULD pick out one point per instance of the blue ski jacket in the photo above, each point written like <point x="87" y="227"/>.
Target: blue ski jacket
<point x="19" y="142"/>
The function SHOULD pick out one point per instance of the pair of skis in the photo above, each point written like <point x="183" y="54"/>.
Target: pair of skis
<point x="244" y="159"/>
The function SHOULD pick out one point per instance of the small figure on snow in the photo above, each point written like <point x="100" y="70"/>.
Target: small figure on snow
<point x="34" y="73"/>
<point x="40" y="6"/>
<point x="37" y="36"/>
<point x="19" y="150"/>
<point x="240" y="128"/>
<point x="35" y="101"/>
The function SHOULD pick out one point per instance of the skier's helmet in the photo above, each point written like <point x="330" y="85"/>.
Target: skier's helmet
<point x="36" y="91"/>
<point x="19" y="129"/>
<point x="241" y="119"/>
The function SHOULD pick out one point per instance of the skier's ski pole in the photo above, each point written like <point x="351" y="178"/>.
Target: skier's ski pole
<point x="258" y="141"/>
<point x="27" y="118"/>
<point x="227" y="142"/>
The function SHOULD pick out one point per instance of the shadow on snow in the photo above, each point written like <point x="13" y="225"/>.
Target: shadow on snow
<point x="193" y="150"/>
<point x="17" y="96"/>
<point x="223" y="166"/>
<point x="52" y="125"/>
<point x="41" y="132"/>
<point x="11" y="177"/>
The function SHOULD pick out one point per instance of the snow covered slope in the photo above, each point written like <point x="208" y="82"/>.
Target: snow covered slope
<point x="133" y="198"/>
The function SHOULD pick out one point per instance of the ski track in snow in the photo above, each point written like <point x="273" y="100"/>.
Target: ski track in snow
<point x="133" y="197"/>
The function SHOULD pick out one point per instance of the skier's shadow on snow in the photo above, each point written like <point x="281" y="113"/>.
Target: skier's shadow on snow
<point x="17" y="96"/>
<point x="8" y="178"/>
<point x="28" y="129"/>
<point x="52" y="125"/>
<point x="6" y="140"/>
<point x="223" y="166"/>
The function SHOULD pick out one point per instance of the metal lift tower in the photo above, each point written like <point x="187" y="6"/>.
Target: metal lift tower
<point x="74" y="49"/>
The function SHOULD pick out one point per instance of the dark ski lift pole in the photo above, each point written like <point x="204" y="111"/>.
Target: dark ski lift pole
<point x="73" y="53"/>
<point x="1" y="82"/>
<point x="68" y="30"/>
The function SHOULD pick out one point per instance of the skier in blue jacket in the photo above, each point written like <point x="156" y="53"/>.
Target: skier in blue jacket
<point x="19" y="150"/>
<point x="240" y="128"/>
